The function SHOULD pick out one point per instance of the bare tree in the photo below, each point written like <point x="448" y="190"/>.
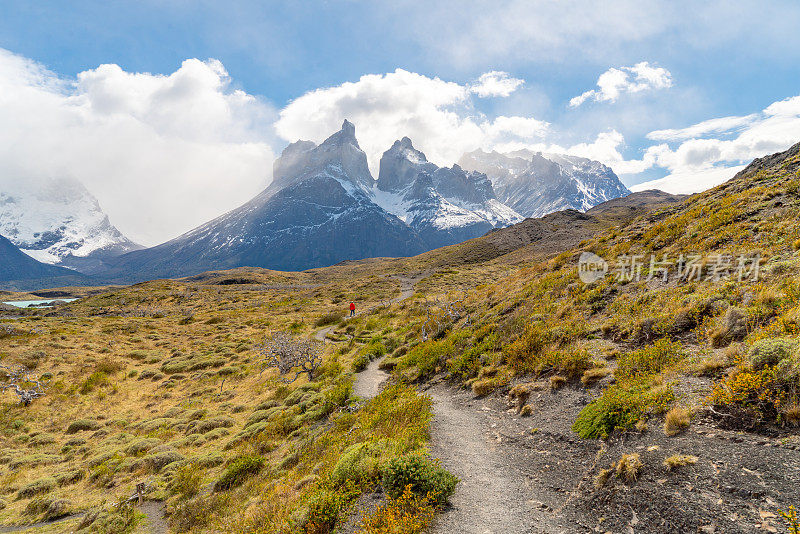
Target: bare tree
<point x="287" y="354"/>
<point x="443" y="312"/>
<point x="25" y="385"/>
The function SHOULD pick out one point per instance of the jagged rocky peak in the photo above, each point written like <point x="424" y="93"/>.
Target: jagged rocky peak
<point x="455" y="182"/>
<point x="401" y="164"/>
<point x="339" y="155"/>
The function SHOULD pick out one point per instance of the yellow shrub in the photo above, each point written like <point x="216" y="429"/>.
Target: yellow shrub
<point x="406" y="514"/>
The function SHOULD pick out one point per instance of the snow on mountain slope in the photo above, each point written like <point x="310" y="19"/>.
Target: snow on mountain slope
<point x="57" y="221"/>
<point x="535" y="184"/>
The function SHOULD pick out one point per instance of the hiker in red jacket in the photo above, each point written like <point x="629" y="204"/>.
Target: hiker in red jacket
<point x="352" y="309"/>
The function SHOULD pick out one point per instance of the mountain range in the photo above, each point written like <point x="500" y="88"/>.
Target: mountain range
<point x="322" y="207"/>
<point x="535" y="183"/>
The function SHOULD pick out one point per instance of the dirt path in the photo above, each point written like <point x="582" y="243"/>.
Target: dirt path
<point x="156" y="523"/>
<point x="493" y="496"/>
<point x="406" y="292"/>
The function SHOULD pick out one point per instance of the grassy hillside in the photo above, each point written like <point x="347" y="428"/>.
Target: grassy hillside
<point x="162" y="383"/>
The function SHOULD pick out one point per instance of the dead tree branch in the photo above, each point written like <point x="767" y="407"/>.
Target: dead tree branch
<point x="25" y="385"/>
<point x="286" y="354"/>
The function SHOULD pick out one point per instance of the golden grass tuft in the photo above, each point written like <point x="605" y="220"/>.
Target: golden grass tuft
<point x="595" y="374"/>
<point x="526" y="410"/>
<point x="481" y="388"/>
<point x="556" y="381"/>
<point x="679" y="460"/>
<point x="792" y="415"/>
<point x="628" y="467"/>
<point x="677" y="420"/>
<point x="603" y="477"/>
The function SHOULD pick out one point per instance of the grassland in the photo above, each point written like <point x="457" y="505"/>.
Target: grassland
<point x="161" y="383"/>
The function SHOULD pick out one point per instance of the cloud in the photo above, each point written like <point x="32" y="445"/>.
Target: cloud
<point x="496" y="83"/>
<point x="517" y="32"/>
<point x="722" y="125"/>
<point x="162" y="153"/>
<point x="437" y="115"/>
<point x="616" y="81"/>
<point x="695" y="164"/>
<point x="689" y="182"/>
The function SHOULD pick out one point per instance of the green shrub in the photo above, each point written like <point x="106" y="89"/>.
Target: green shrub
<point x="358" y="463"/>
<point x="81" y="425"/>
<point x="425" y="476"/>
<point x="238" y="471"/>
<point x="95" y="380"/>
<point x="324" y="509"/>
<point x="329" y="318"/>
<point x="360" y="362"/>
<point x="620" y="407"/>
<point x="37" y="487"/>
<point x="770" y="352"/>
<point x="186" y="481"/>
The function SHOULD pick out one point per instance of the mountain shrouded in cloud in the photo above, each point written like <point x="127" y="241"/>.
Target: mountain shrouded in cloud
<point x="535" y="184"/>
<point x="161" y="153"/>
<point x="59" y="221"/>
<point x="437" y="114"/>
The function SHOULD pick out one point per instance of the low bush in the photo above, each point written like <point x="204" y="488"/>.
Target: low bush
<point x="408" y="513"/>
<point x="679" y="460"/>
<point x="37" y="487"/>
<point x="421" y="475"/>
<point x="238" y="471"/>
<point x="628" y="467"/>
<point x="82" y="425"/>
<point x="770" y="352"/>
<point x="333" y="317"/>
<point x="621" y="407"/>
<point x="358" y="463"/>
<point x="649" y="360"/>
<point x="95" y="380"/>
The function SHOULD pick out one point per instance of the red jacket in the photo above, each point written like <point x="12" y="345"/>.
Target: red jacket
<point x="352" y="306"/>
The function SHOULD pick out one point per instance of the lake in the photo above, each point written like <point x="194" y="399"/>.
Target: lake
<point x="44" y="303"/>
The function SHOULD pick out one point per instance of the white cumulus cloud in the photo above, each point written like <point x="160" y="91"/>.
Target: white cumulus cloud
<point x="695" y="163"/>
<point x="437" y="115"/>
<point x="496" y="83"/>
<point x="616" y="81"/>
<point x="162" y="153"/>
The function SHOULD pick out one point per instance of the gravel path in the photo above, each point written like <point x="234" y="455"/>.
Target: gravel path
<point x="156" y="521"/>
<point x="493" y="494"/>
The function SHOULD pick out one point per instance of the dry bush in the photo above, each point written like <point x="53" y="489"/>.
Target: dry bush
<point x="792" y="415"/>
<point x="603" y="477"/>
<point x="519" y="395"/>
<point x="482" y="388"/>
<point x="677" y="420"/>
<point x="526" y="410"/>
<point x="628" y="467"/>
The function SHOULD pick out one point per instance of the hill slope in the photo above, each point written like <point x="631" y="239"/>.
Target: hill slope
<point x="19" y="271"/>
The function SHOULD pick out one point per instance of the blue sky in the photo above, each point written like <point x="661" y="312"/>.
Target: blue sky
<point x="302" y="64"/>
